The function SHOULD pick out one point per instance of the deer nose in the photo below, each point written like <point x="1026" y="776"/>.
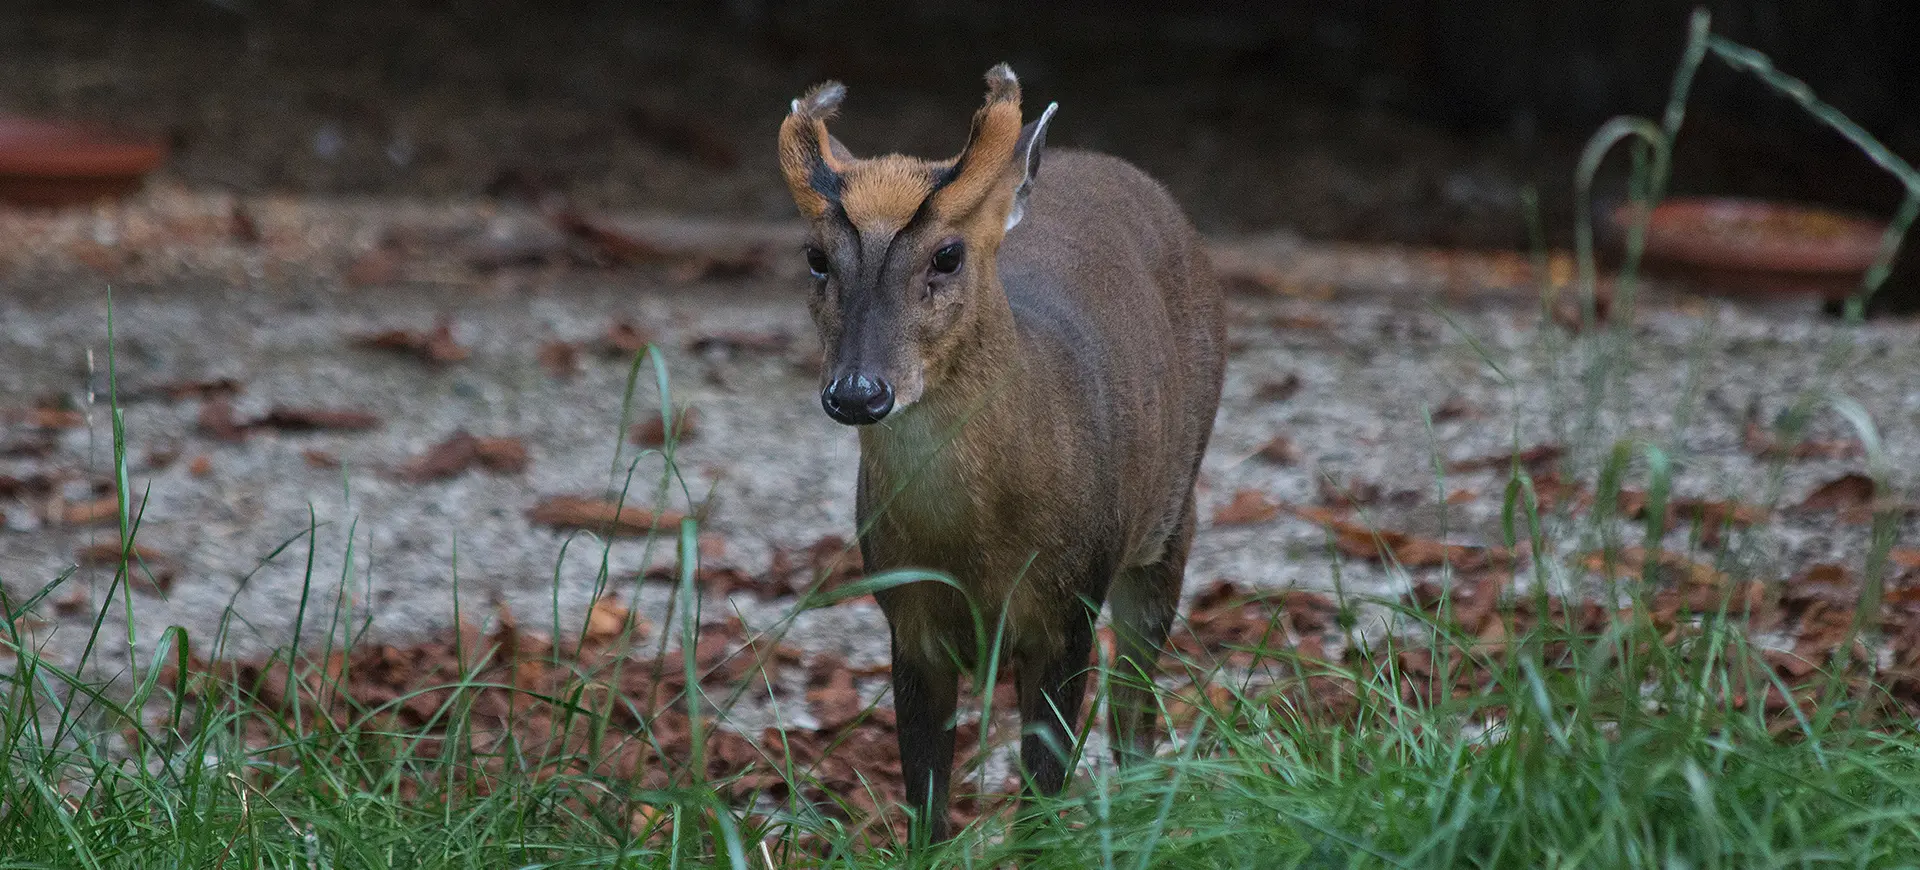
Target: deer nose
<point x="857" y="400"/>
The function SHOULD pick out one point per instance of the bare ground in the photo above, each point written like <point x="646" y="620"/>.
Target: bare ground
<point x="1346" y="359"/>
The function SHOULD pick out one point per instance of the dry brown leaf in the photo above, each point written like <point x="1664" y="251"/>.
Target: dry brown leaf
<point x="291" y="419"/>
<point x="85" y="513"/>
<point x="561" y="359"/>
<point x="217" y="420"/>
<point x="1709" y="515"/>
<point x="147" y="569"/>
<point x="321" y="459"/>
<point x="624" y="339"/>
<point x="1279" y="450"/>
<point x="1846" y="493"/>
<point x="503" y="455"/>
<point x="1248" y="507"/>
<point x="1630" y="563"/>
<point x="651" y="432"/>
<point x="201" y="466"/>
<point x="436" y="346"/>
<point x="608" y="619"/>
<point x="449" y="458"/>
<point x="600" y="516"/>
<point x="1350" y="494"/>
<point x="1453" y="408"/>
<point x="831" y="693"/>
<point x="1358" y="541"/>
<point x="1278" y="391"/>
<point x="1533" y="459"/>
<point x="50" y="419"/>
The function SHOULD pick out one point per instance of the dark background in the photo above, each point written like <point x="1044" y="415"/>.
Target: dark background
<point x="1416" y="122"/>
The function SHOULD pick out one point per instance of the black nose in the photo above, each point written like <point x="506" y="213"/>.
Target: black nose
<point x="857" y="400"/>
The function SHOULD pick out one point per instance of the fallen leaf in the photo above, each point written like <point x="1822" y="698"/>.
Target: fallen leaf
<point x="1533" y="459"/>
<point x="321" y="459"/>
<point x="1362" y="542"/>
<point x="599" y="515"/>
<point x="288" y="419"/>
<point x="1248" y="507"/>
<point x="503" y="455"/>
<point x="436" y="346"/>
<point x="461" y="451"/>
<point x="624" y="339"/>
<point x="147" y="569"/>
<point x="1279" y="450"/>
<point x="1278" y="391"/>
<point x="51" y="419"/>
<point x="653" y="433"/>
<point x="561" y="359"/>
<point x="217" y="421"/>
<point x="448" y="458"/>
<point x="608" y="620"/>
<point x="831" y="694"/>
<point x="178" y="391"/>
<point x="1352" y="494"/>
<point x="1453" y="408"/>
<point x="1630" y="563"/>
<point x="201" y="466"/>
<point x="1848" y="492"/>
<point x="1711" y="516"/>
<point x="162" y="458"/>
<point x="99" y="510"/>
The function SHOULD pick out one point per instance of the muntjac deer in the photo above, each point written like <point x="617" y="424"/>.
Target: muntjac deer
<point x="1034" y="362"/>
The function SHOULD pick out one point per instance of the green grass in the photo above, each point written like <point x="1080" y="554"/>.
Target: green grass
<point x="1576" y="747"/>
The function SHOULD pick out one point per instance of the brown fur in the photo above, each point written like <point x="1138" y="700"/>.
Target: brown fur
<point x="1055" y="395"/>
<point x="882" y="194"/>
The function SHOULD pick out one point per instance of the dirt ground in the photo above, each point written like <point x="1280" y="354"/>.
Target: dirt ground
<point x="1344" y="371"/>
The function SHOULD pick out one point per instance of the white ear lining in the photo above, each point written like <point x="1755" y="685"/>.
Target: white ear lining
<point x="1039" y="139"/>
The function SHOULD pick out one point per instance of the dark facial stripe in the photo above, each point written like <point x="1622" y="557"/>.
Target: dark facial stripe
<point x="825" y="181"/>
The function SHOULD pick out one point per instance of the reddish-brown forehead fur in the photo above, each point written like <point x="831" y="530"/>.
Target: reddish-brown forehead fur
<point x="882" y="194"/>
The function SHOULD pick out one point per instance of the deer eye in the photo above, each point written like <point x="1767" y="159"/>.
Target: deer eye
<point x="946" y="261"/>
<point x="817" y="262"/>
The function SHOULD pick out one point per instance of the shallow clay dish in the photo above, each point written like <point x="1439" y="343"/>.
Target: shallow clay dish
<point x="1755" y="247"/>
<point x="60" y="163"/>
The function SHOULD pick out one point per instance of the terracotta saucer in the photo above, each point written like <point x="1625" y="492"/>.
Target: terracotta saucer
<point x="46" y="163"/>
<point x="1751" y="247"/>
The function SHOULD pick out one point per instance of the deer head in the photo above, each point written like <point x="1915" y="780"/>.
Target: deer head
<point x="902" y="250"/>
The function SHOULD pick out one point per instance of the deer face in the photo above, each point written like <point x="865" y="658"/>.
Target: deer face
<point x="902" y="250"/>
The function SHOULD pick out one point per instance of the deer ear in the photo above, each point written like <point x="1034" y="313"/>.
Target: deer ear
<point x="810" y="158"/>
<point x="1026" y="161"/>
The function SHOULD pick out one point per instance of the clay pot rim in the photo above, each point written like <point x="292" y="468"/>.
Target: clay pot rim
<point x="43" y="148"/>
<point x="1683" y="230"/>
